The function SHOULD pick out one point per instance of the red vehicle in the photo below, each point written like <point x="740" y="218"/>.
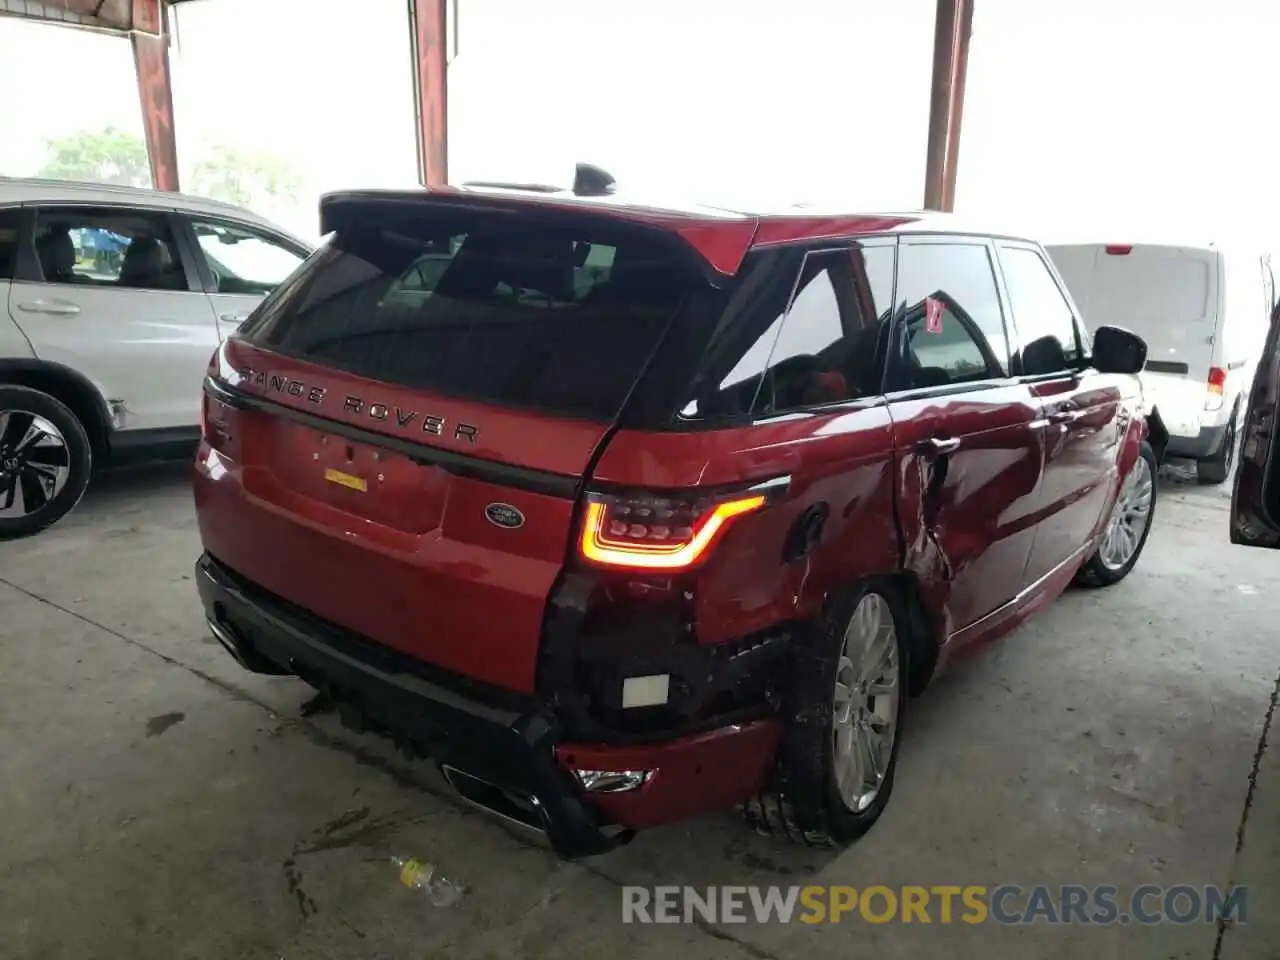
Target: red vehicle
<point x="1255" y="498"/>
<point x="623" y="513"/>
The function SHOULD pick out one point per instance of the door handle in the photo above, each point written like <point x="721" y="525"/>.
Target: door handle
<point x="236" y="318"/>
<point x="939" y="446"/>
<point x="56" y="308"/>
<point x="1064" y="416"/>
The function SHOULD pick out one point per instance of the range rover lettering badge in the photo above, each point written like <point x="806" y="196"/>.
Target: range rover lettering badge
<point x="504" y="515"/>
<point x="378" y="410"/>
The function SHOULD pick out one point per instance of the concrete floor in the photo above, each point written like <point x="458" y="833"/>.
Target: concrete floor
<point x="159" y="802"/>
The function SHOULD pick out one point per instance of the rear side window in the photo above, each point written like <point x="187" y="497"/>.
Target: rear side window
<point x="10" y="221"/>
<point x="108" y="247"/>
<point x="559" y="315"/>
<point x="951" y="324"/>
<point x="1041" y="313"/>
<point x="827" y="345"/>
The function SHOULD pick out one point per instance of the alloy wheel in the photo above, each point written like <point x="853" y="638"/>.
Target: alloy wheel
<point x="1130" y="517"/>
<point x="865" y="703"/>
<point x="34" y="463"/>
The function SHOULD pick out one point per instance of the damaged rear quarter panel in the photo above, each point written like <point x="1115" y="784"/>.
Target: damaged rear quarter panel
<point x="840" y="459"/>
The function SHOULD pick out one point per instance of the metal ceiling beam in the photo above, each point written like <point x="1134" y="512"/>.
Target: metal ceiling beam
<point x="428" y="34"/>
<point x="114" y="15"/>
<point x="952" y="29"/>
<point x="150" y="42"/>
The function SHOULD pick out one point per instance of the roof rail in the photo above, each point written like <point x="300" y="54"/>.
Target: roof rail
<point x="123" y="189"/>
<point x="498" y="185"/>
<point x="588" y="181"/>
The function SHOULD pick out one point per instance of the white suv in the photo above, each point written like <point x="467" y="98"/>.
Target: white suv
<point x="112" y="301"/>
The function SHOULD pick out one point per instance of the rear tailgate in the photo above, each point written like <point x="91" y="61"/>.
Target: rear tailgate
<point x="1168" y="295"/>
<point x="396" y="440"/>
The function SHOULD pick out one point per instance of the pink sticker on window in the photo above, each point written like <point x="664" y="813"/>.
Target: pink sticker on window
<point x="932" y="315"/>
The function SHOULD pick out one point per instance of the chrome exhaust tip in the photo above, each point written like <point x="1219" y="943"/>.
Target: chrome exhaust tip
<point x="224" y="636"/>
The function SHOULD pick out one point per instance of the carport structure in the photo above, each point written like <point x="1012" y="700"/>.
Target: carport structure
<point x="145" y="23"/>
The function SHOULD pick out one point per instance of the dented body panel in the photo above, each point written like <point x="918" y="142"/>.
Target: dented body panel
<point x="968" y="518"/>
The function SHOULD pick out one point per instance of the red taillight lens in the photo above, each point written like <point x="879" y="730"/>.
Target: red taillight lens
<point x="1216" y="385"/>
<point x="1119" y="249"/>
<point x="663" y="532"/>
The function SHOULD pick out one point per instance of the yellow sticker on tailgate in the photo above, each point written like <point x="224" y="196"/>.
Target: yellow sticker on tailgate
<point x="346" y="480"/>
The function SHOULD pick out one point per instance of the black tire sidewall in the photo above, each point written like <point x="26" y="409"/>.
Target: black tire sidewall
<point x="806" y="768"/>
<point x="79" y="452"/>
<point x="1217" y="468"/>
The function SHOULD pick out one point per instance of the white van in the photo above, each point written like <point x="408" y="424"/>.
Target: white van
<point x="1203" y="312"/>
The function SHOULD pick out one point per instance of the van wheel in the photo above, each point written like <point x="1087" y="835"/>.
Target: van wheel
<point x="45" y="461"/>
<point x="1217" y="468"/>
<point x="845" y="706"/>
<point x="1128" y="526"/>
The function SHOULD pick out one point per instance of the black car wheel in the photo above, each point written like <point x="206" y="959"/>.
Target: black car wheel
<point x="45" y="461"/>
<point x="1217" y="468"/>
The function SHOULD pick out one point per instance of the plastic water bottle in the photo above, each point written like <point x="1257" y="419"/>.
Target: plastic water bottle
<point x="423" y="875"/>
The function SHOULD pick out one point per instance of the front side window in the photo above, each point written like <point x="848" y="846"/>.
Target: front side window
<point x="107" y="247"/>
<point x="1041" y="313"/>
<point x="243" y="260"/>
<point x="950" y="321"/>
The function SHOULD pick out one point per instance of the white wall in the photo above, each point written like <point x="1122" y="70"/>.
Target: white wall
<point x="714" y="99"/>
<point x="57" y="81"/>
<point x="1125" y="115"/>
<point x="326" y="84"/>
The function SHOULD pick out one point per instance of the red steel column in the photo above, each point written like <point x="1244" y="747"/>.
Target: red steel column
<point x="151" y="62"/>
<point x="431" y="89"/>
<point x="952" y="29"/>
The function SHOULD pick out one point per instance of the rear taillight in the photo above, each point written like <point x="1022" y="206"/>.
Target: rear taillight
<point x="1216" y="386"/>
<point x="1118" y="249"/>
<point x="667" y="532"/>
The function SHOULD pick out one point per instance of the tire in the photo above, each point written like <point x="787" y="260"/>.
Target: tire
<point x="1216" y="469"/>
<point x="805" y="802"/>
<point x="1105" y="568"/>
<point x="53" y="467"/>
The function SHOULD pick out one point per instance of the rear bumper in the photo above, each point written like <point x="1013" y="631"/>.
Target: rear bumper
<point x="1205" y="444"/>
<point x="499" y="752"/>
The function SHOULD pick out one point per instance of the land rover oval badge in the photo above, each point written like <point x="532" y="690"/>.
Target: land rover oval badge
<point x="504" y="515"/>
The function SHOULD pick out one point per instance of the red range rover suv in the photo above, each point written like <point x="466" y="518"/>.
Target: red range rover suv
<point x="622" y="513"/>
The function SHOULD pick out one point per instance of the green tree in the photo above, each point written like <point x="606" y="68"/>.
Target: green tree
<point x="109" y="155"/>
<point x="244" y="177"/>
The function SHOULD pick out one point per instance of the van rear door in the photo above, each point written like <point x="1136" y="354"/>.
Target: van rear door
<point x="396" y="440"/>
<point x="1167" y="295"/>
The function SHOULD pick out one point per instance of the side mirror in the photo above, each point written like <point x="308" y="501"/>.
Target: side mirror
<point x="1116" y="350"/>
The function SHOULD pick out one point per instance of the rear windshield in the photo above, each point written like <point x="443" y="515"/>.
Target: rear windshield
<point x="557" y="315"/>
<point x="1150" y="290"/>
